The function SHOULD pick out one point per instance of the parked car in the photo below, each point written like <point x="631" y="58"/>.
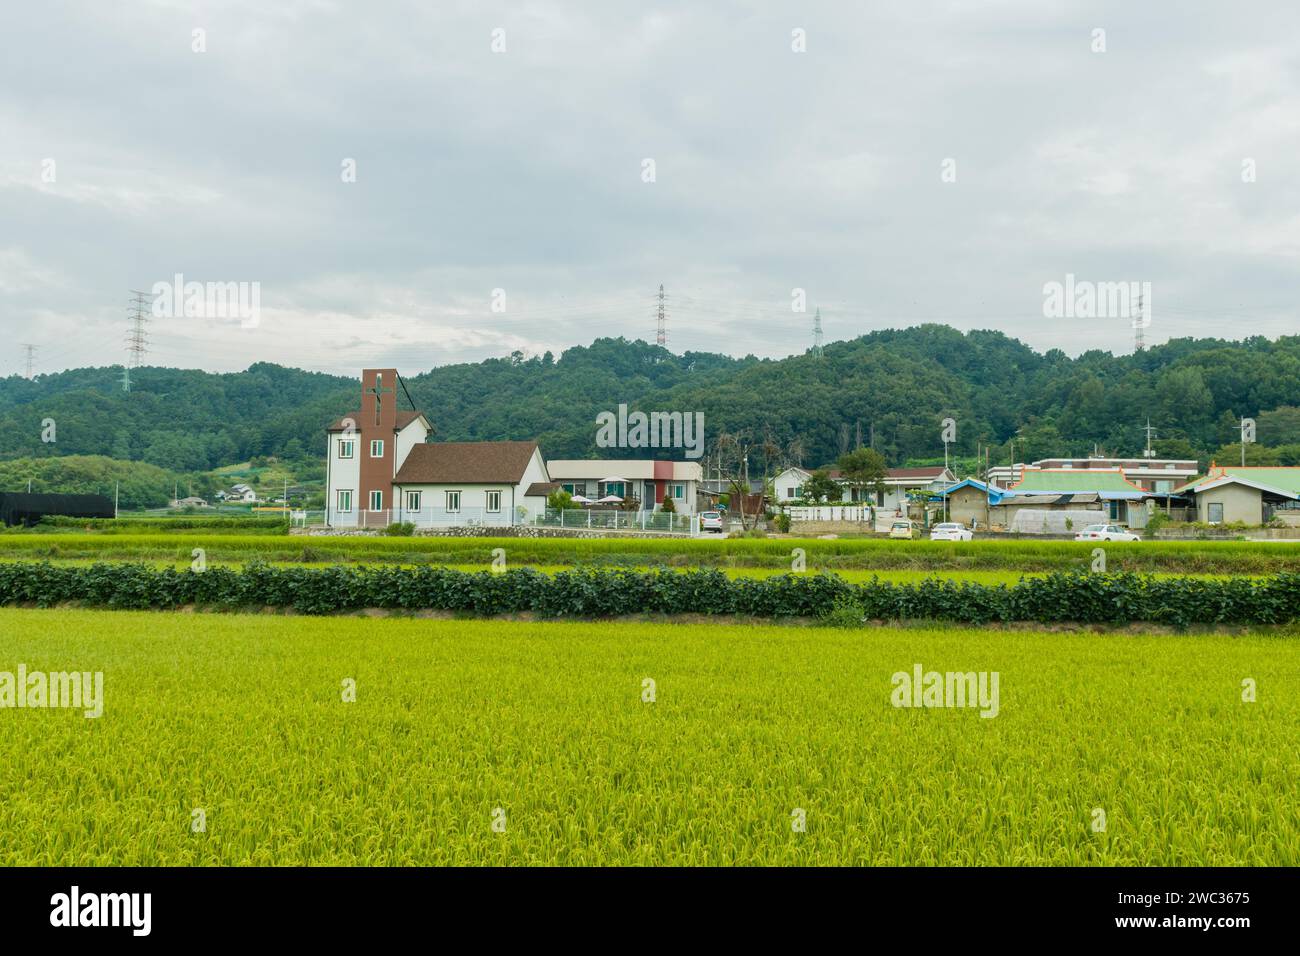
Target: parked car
<point x="902" y="529"/>
<point x="711" y="521"/>
<point x="1106" y="532"/>
<point x="950" y="531"/>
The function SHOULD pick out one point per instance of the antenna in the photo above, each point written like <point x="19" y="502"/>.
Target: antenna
<point x="661" y="333"/>
<point x="817" y="333"/>
<point x="137" y="339"/>
<point x="31" y="355"/>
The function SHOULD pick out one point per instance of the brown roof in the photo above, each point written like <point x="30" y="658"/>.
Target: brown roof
<point x="404" y="418"/>
<point x="540" y="489"/>
<point x="931" y="471"/>
<point x="468" y="462"/>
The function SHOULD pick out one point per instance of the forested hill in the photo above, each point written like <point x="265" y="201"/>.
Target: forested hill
<point x="897" y="385"/>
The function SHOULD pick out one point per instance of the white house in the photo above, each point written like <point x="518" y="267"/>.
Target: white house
<point x="471" y="483"/>
<point x="898" y="482"/>
<point x="648" y="480"/>
<point x="242" y="493"/>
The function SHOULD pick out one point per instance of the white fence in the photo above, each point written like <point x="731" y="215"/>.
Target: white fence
<point x="661" y="521"/>
<point x="575" y="519"/>
<point x="859" y="513"/>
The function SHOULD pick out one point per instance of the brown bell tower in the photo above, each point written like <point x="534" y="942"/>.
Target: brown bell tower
<point x="378" y="424"/>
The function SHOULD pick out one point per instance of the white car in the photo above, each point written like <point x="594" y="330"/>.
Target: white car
<point x="950" y="531"/>
<point x="1105" y="532"/>
<point x="711" y="521"/>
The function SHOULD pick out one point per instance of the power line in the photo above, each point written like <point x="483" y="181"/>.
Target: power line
<point x="661" y="331"/>
<point x="1139" y="336"/>
<point x="137" y="338"/>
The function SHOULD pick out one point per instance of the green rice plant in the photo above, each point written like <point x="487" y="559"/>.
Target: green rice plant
<point x="552" y="729"/>
<point x="1181" y="557"/>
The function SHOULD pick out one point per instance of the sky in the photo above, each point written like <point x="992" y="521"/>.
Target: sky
<point x="418" y="184"/>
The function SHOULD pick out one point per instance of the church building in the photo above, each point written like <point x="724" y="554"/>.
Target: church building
<point x="381" y="469"/>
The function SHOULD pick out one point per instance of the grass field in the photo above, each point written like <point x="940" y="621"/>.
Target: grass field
<point x="242" y="716"/>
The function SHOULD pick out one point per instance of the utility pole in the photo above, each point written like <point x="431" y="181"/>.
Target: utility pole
<point x="661" y="332"/>
<point x="1149" y="452"/>
<point x="137" y="339"/>
<point x="817" y="333"/>
<point x="945" y="486"/>
<point x="31" y="355"/>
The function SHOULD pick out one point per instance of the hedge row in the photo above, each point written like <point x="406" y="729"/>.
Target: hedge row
<point x="1076" y="597"/>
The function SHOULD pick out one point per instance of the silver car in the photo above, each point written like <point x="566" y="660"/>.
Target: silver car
<point x="950" y="531"/>
<point x="711" y="521"/>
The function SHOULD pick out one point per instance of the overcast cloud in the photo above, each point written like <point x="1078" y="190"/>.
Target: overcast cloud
<point x="522" y="171"/>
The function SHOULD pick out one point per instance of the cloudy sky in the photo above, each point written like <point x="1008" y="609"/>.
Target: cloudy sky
<point x="128" y="156"/>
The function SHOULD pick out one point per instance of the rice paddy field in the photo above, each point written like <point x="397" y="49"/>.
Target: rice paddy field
<point x="547" y="730"/>
<point x="859" y="554"/>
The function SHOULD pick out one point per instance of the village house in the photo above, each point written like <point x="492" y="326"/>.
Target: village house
<point x="1120" y="499"/>
<point x="790" y="483"/>
<point x="242" y="493"/>
<point x="982" y="505"/>
<point x="1161" y="475"/>
<point x="649" y="481"/>
<point x="471" y="483"/>
<point x="1250" y="495"/>
<point x="193" y="501"/>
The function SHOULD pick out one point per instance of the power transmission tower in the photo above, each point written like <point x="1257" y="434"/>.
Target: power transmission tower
<point x="817" y="333"/>
<point x="661" y="333"/>
<point x="31" y="355"/>
<point x="137" y="338"/>
<point x="1139" y="336"/>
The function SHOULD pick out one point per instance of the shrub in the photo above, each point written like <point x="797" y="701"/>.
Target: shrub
<point x="1079" y="597"/>
<point x="845" y="614"/>
<point x="400" y="529"/>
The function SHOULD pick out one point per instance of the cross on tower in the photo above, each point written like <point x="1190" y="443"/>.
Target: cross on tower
<point x="378" y="391"/>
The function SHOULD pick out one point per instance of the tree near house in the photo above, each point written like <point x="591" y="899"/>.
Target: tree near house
<point x="820" y="487"/>
<point x="561" y="500"/>
<point x="864" y="470"/>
